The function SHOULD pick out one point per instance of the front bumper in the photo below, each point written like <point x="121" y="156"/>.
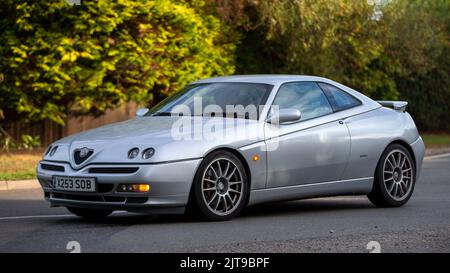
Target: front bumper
<point x="170" y="185"/>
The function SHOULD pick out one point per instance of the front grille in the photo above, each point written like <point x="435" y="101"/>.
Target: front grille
<point x="114" y="170"/>
<point x="78" y="159"/>
<point x="51" y="167"/>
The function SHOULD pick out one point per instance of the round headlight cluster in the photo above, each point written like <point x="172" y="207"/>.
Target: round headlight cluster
<point x="53" y="151"/>
<point x="133" y="153"/>
<point x="146" y="154"/>
<point x="48" y="150"/>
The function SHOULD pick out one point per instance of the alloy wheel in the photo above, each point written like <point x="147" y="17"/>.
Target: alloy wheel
<point x="398" y="174"/>
<point x="222" y="186"/>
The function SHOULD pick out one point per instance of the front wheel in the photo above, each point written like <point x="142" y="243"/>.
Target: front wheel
<point x="394" y="178"/>
<point x="90" y="214"/>
<point x="220" y="187"/>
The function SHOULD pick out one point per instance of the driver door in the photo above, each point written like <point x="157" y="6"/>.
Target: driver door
<point x="312" y="150"/>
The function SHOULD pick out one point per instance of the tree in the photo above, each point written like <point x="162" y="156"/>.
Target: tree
<point x="387" y="49"/>
<point x="418" y="44"/>
<point x="337" y="39"/>
<point x="58" y="59"/>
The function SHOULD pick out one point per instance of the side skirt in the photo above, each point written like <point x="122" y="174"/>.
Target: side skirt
<point x="358" y="186"/>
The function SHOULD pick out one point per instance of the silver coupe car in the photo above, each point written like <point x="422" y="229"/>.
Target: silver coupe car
<point x="224" y="143"/>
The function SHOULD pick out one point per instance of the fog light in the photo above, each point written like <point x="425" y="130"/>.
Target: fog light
<point x="133" y="188"/>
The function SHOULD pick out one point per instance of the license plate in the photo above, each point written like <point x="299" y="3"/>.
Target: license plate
<point x="65" y="183"/>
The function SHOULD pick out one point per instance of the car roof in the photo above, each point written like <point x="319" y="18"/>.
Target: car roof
<point x="266" y="79"/>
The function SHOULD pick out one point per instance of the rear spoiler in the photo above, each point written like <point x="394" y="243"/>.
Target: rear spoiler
<point x="396" y="105"/>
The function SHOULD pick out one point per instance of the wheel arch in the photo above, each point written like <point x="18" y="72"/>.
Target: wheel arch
<point x="406" y="146"/>
<point x="239" y="156"/>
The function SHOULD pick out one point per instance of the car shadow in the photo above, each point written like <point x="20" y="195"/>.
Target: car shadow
<point x="275" y="209"/>
<point x="307" y="206"/>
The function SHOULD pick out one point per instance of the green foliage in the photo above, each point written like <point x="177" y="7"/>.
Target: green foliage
<point x="418" y="42"/>
<point x="56" y="57"/>
<point x="337" y="39"/>
<point x="29" y="142"/>
<point x="388" y="49"/>
<point x="6" y="143"/>
<point x="26" y="142"/>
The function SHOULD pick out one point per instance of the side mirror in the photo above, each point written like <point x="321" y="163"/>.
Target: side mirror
<point x="141" y="112"/>
<point x="284" y="115"/>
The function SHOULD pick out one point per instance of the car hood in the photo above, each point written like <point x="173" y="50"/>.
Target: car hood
<point x="173" y="138"/>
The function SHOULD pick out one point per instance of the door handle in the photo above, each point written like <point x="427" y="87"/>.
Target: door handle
<point x="341" y="122"/>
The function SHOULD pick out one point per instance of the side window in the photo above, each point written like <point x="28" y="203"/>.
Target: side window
<point x="340" y="100"/>
<point x="304" y="96"/>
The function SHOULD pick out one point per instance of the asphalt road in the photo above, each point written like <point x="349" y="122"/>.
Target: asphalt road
<point x="338" y="224"/>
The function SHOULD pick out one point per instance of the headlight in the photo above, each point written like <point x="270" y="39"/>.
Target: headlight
<point x="48" y="150"/>
<point x="147" y="153"/>
<point x="133" y="153"/>
<point x="53" y="151"/>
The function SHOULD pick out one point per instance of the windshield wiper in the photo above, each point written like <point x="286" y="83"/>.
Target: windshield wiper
<point x="227" y="115"/>
<point x="162" y="114"/>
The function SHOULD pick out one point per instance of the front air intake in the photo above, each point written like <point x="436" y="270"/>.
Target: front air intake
<point x="51" y="167"/>
<point x="115" y="170"/>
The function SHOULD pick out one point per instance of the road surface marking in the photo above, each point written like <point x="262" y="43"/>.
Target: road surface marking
<point x="35" y="216"/>
<point x="49" y="216"/>
<point x="436" y="156"/>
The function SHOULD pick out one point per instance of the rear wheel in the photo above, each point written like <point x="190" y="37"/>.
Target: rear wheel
<point x="220" y="187"/>
<point x="91" y="214"/>
<point x="394" y="178"/>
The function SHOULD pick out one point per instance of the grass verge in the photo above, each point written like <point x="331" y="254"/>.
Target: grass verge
<point x="436" y="140"/>
<point x="19" y="165"/>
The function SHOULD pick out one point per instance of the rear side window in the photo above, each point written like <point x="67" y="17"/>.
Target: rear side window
<point x="340" y="100"/>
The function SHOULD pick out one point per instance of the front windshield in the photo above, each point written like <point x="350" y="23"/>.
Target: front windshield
<point x="238" y="100"/>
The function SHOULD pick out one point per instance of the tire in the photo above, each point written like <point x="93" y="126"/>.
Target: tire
<point x="90" y="214"/>
<point x="217" y="194"/>
<point x="395" y="177"/>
